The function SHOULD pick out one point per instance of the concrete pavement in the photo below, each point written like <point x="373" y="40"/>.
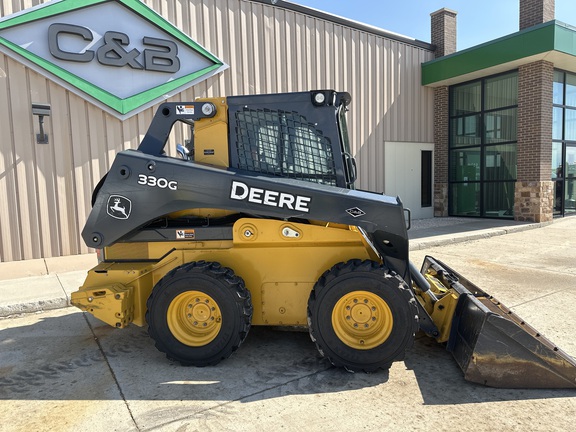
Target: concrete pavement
<point x="45" y="284"/>
<point x="64" y="370"/>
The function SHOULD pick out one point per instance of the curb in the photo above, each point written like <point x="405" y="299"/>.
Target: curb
<point x="38" y="293"/>
<point x="33" y="307"/>
<point x="448" y="239"/>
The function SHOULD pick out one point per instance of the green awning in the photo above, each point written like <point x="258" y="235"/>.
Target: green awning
<point x="553" y="41"/>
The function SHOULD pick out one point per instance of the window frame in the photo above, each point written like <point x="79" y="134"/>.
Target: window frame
<point x="480" y="184"/>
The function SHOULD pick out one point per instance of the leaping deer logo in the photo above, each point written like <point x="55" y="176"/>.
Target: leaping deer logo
<point x="119" y="207"/>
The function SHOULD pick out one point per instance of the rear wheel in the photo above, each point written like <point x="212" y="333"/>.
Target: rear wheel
<point x="199" y="313"/>
<point x="362" y="316"/>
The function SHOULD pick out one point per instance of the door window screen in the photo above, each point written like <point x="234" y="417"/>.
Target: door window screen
<point x="283" y="144"/>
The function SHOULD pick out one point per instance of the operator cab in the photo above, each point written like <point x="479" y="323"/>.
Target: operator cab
<point x="302" y="136"/>
<point x="298" y="135"/>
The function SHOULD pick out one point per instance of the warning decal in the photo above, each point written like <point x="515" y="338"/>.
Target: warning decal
<point x="185" y="109"/>
<point x="185" y="234"/>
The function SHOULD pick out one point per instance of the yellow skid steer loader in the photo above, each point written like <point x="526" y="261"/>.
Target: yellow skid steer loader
<point x="258" y="223"/>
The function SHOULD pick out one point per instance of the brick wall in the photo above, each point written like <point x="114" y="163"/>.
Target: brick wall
<point x="535" y="82"/>
<point x="443" y="31"/>
<point x="441" y="119"/>
<point x="533" y="193"/>
<point x="534" y="12"/>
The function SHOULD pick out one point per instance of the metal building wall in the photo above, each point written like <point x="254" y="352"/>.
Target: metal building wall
<point x="45" y="190"/>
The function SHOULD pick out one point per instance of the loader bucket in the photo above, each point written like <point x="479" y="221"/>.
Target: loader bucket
<point x="495" y="347"/>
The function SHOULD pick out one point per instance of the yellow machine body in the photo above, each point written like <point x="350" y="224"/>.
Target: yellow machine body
<point x="279" y="262"/>
<point x="211" y="136"/>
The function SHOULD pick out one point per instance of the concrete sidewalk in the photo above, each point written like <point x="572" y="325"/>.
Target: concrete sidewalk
<point x="43" y="284"/>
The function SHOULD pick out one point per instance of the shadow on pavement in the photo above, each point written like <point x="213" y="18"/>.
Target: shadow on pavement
<point x="75" y="357"/>
<point x="64" y="358"/>
<point x="442" y="382"/>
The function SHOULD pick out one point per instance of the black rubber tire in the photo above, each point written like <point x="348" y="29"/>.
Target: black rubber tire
<point x="220" y="284"/>
<point x="354" y="276"/>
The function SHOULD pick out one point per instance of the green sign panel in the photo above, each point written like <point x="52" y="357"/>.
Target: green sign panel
<point x="119" y="53"/>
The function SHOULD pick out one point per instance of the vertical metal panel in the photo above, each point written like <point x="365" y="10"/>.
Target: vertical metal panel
<point x="24" y="168"/>
<point x="10" y="245"/>
<point x="45" y="190"/>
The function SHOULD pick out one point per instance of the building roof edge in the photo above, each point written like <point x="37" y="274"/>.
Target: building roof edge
<point x="346" y="22"/>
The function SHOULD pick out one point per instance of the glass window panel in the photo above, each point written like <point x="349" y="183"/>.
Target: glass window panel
<point x="570" y="161"/>
<point x="570" y="126"/>
<point x="465" y="164"/>
<point x="465" y="199"/>
<point x="556" y="160"/>
<point x="559" y="88"/>
<point x="500" y="126"/>
<point x="570" y="89"/>
<point x="499" y="199"/>
<point x="501" y="91"/>
<point x="558" y="192"/>
<point x="500" y="162"/>
<point x="465" y="99"/>
<point x="570" y="198"/>
<point x="557" y="123"/>
<point x="465" y="131"/>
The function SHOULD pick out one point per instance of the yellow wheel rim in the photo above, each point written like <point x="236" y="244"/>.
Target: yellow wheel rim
<point x="362" y="320"/>
<point x="194" y="318"/>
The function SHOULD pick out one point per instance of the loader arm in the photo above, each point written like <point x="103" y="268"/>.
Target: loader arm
<point x="149" y="187"/>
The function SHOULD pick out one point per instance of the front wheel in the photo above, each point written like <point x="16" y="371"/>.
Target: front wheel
<point x="362" y="316"/>
<point x="199" y="313"/>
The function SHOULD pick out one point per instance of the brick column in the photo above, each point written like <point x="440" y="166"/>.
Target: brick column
<point x="441" y="119"/>
<point x="534" y="196"/>
<point x="534" y="12"/>
<point x="443" y="31"/>
<point x="443" y="35"/>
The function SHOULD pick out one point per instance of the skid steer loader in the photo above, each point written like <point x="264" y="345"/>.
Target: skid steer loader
<point x="258" y="223"/>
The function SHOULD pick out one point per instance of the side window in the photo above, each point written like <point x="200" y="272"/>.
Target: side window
<point x="283" y="144"/>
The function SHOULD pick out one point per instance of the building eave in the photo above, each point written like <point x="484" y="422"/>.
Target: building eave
<point x="316" y="13"/>
<point x="553" y="41"/>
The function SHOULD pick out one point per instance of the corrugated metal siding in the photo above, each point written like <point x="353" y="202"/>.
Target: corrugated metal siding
<point x="45" y="190"/>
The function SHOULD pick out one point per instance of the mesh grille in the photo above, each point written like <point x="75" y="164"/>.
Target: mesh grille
<point x="283" y="144"/>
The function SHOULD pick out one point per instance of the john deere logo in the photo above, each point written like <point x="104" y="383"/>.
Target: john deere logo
<point x="119" y="207"/>
<point x="118" y="52"/>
